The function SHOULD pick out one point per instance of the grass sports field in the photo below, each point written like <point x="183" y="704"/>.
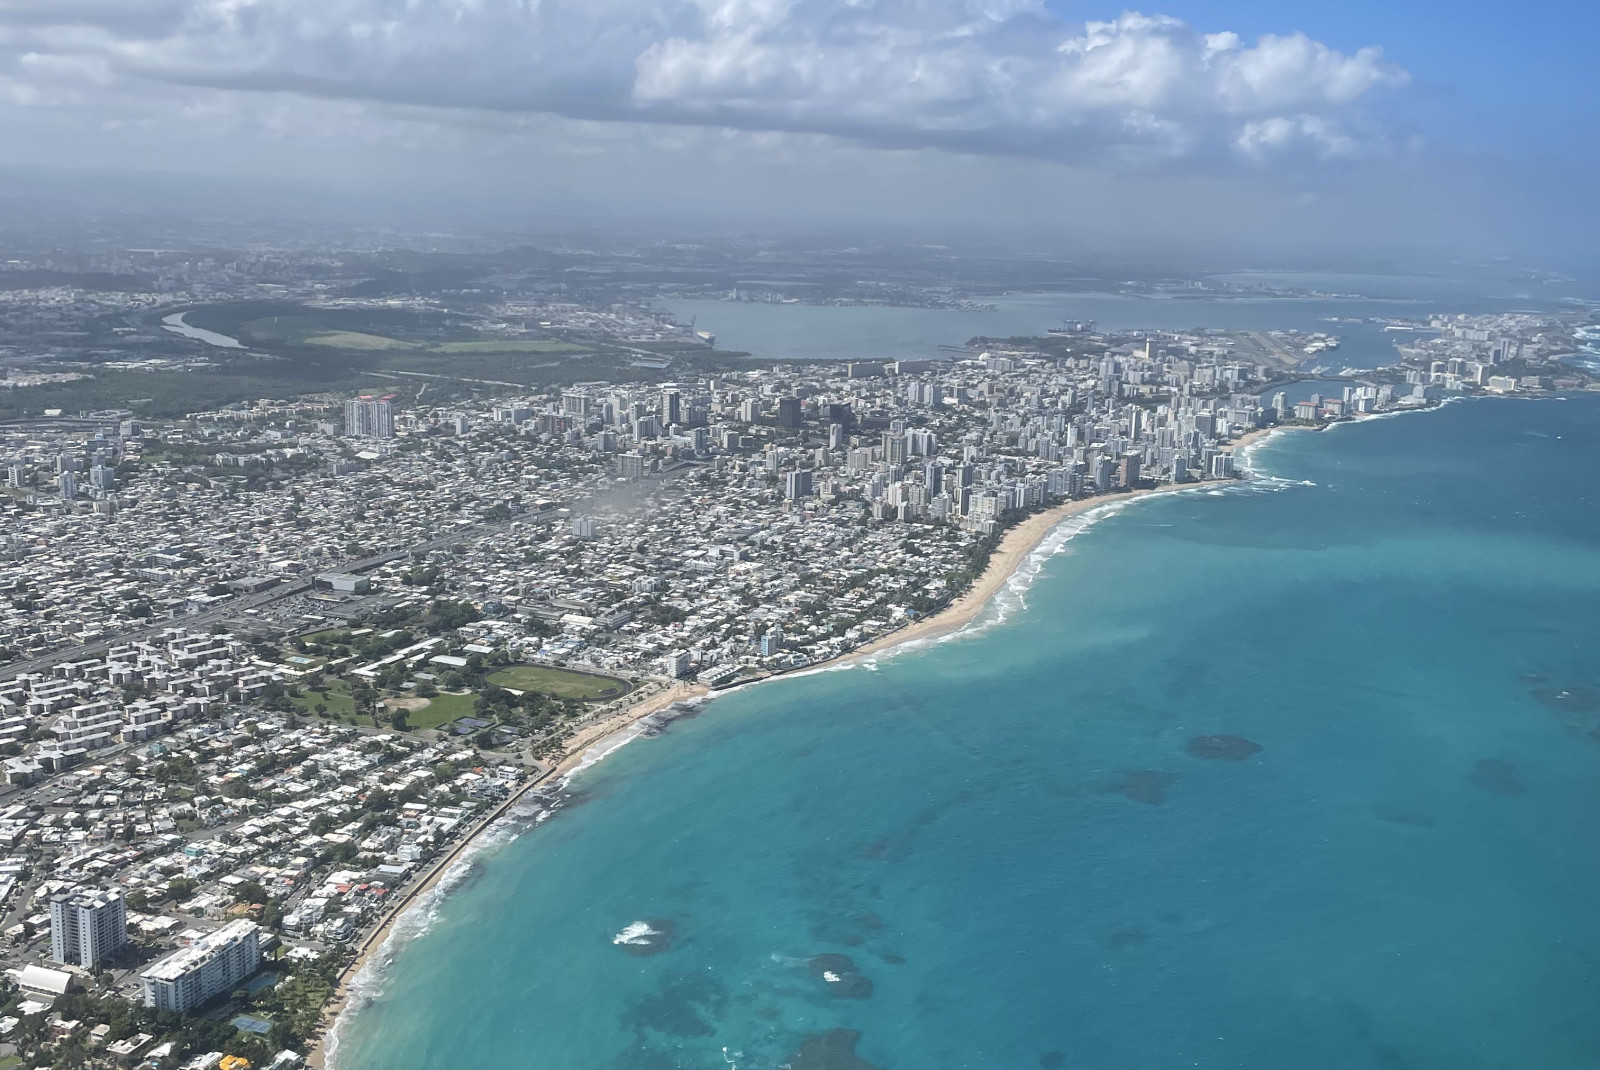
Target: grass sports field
<point x="561" y="683"/>
<point x="441" y="710"/>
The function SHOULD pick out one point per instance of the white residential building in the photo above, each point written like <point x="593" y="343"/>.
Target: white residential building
<point x="86" y="926"/>
<point x="212" y="964"/>
<point x="369" y="417"/>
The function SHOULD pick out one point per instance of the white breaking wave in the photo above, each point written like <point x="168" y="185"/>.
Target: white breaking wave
<point x="637" y="934"/>
<point x="602" y="749"/>
<point x="1363" y="417"/>
<point x="1009" y="598"/>
<point x="1244" y="456"/>
<point x="418" y="918"/>
<point x="1012" y="596"/>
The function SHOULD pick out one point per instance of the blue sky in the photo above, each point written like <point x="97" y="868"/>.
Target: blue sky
<point x="1512" y="77"/>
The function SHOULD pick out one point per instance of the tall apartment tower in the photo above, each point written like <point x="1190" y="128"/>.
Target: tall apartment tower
<point x="87" y="926"/>
<point x="895" y="447"/>
<point x="369" y="417"/>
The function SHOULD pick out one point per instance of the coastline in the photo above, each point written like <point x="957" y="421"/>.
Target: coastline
<point x="1016" y="545"/>
<point x="572" y="756"/>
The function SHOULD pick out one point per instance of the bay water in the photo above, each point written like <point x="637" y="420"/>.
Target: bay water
<point x="870" y="333"/>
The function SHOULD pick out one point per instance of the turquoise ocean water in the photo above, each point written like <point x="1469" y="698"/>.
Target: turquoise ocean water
<point x="1025" y="847"/>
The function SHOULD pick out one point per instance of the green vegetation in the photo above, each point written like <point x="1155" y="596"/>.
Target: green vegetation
<point x="297" y="350"/>
<point x="293" y="1007"/>
<point x="330" y="699"/>
<point x="441" y="710"/>
<point x="299" y="1000"/>
<point x="561" y="683"/>
<point x="509" y="345"/>
<point x="269" y="324"/>
<point x="330" y="330"/>
<point x="446" y="616"/>
<point x="356" y="340"/>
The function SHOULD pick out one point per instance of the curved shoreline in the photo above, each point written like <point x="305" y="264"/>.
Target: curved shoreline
<point x="572" y="756"/>
<point x="1016" y="546"/>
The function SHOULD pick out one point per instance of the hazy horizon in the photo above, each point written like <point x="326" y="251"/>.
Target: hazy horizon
<point x="1195" y="133"/>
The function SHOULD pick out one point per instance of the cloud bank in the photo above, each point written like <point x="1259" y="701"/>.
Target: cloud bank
<point x="982" y="76"/>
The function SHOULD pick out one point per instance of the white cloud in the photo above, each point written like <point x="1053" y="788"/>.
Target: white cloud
<point x="994" y="76"/>
<point x="1265" y="138"/>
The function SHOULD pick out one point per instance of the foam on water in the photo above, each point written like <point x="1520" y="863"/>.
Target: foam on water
<point x="419" y="916"/>
<point x="1012" y="597"/>
<point x="604" y="748"/>
<point x="638" y="933"/>
<point x="1009" y="598"/>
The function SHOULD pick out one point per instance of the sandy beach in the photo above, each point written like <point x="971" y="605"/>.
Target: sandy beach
<point x="1267" y="432"/>
<point x="1016" y="545"/>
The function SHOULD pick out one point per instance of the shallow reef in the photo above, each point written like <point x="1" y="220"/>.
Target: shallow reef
<point x="840" y="974"/>
<point x="833" y="1050"/>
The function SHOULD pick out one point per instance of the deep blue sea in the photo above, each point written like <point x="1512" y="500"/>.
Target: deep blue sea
<point x="1297" y="775"/>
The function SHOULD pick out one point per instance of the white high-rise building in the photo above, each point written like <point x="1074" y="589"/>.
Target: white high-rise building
<point x="369" y="417"/>
<point x="87" y="926"/>
<point x="217" y="962"/>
